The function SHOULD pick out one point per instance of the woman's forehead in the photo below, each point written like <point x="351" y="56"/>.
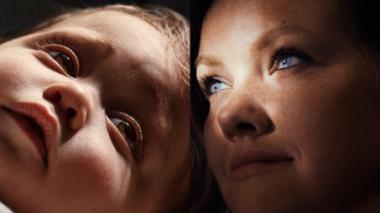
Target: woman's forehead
<point x="305" y="12"/>
<point x="247" y="22"/>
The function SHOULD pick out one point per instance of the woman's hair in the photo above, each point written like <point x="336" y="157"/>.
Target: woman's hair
<point x="207" y="190"/>
<point x="363" y="17"/>
<point x="361" y="22"/>
<point x="199" y="105"/>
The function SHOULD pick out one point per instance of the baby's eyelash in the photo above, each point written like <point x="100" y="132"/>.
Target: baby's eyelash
<point x="62" y="53"/>
<point x="51" y="39"/>
<point x="135" y="145"/>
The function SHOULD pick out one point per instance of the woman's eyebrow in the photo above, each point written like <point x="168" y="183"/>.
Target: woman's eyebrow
<point x="267" y="37"/>
<point x="208" y="60"/>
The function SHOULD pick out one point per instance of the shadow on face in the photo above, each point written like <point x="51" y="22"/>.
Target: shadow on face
<point x="294" y="107"/>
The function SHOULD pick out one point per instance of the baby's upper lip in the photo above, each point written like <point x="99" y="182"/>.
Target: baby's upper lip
<point x="41" y="115"/>
<point x="258" y="156"/>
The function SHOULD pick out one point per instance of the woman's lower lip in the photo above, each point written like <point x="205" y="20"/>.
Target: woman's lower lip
<point x="34" y="138"/>
<point x="256" y="169"/>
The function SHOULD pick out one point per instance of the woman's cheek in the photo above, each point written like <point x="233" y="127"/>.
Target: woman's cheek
<point x="325" y="115"/>
<point x="217" y="147"/>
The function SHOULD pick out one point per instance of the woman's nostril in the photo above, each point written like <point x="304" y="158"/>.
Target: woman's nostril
<point x="70" y="112"/>
<point x="53" y="97"/>
<point x="246" y="127"/>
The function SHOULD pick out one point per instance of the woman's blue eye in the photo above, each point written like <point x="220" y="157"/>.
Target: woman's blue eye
<point x="288" y="58"/>
<point x="288" y="62"/>
<point x="217" y="86"/>
<point x="211" y="85"/>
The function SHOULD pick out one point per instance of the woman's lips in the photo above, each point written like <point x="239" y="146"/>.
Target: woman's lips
<point x="36" y="122"/>
<point x="250" y="163"/>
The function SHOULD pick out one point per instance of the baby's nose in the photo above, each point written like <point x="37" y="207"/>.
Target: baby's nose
<point x="73" y="100"/>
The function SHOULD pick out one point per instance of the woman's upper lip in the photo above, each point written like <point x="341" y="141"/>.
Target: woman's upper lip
<point x="42" y="117"/>
<point x="245" y="157"/>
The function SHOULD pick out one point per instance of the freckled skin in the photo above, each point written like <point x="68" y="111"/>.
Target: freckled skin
<point x="324" y="114"/>
<point x="88" y="171"/>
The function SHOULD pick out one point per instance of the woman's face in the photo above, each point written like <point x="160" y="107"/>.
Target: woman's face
<point x="294" y="112"/>
<point x="88" y="108"/>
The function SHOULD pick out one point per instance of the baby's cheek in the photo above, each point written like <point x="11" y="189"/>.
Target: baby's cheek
<point x="91" y="170"/>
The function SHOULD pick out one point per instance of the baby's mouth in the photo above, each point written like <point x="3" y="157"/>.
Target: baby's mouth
<point x="32" y="130"/>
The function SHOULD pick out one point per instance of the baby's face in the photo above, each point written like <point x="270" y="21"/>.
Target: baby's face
<point x="91" y="117"/>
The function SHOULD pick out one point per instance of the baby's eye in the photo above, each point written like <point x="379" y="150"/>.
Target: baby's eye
<point x="211" y="85"/>
<point x="130" y="131"/>
<point x="65" y="57"/>
<point x="289" y="58"/>
<point x="127" y="131"/>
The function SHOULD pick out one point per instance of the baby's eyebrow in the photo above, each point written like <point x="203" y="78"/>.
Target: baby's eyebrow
<point x="79" y="37"/>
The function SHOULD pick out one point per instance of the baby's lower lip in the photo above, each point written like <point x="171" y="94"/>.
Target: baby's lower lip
<point x="30" y="132"/>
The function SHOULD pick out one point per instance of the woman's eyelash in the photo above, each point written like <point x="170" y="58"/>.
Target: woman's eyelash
<point x="211" y="85"/>
<point x="286" y="58"/>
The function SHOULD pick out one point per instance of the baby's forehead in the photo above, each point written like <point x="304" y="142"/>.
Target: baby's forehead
<point x="106" y="21"/>
<point x="121" y="28"/>
<point x="134" y="46"/>
<point x="122" y="31"/>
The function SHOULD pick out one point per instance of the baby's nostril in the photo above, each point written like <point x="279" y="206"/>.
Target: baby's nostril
<point x="53" y="97"/>
<point x="70" y="112"/>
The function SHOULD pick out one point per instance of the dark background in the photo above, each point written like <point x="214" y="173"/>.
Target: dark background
<point x="18" y="15"/>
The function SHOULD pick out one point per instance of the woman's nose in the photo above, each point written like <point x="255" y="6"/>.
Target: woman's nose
<point x="73" y="100"/>
<point x="241" y="117"/>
